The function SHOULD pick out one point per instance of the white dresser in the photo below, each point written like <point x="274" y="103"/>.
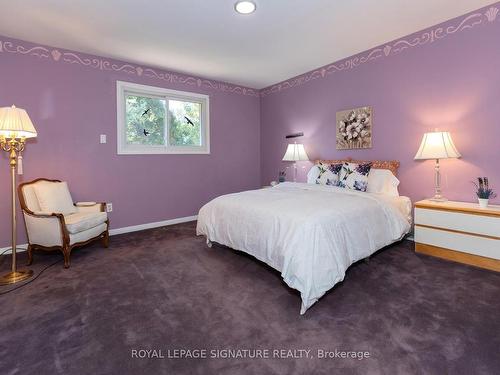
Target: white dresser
<point x="458" y="231"/>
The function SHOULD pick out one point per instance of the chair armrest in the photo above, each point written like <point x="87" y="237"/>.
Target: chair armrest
<point x="85" y="204"/>
<point x="41" y="213"/>
<point x="45" y="229"/>
<point x="90" y="206"/>
<point x="46" y="215"/>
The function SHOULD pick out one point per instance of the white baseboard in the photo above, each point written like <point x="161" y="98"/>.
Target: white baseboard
<point x="113" y="232"/>
<point x="164" y="223"/>
<point x="20" y="249"/>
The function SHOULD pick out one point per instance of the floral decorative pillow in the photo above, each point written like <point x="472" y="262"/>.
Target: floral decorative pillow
<point x="354" y="176"/>
<point x="328" y="174"/>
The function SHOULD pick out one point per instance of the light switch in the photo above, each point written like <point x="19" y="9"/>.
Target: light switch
<point x="103" y="138"/>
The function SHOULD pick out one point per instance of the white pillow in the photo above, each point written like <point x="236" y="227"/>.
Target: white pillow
<point x="382" y="181"/>
<point x="54" y="197"/>
<point x="313" y="174"/>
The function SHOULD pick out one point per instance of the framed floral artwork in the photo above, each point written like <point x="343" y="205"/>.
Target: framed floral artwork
<point x="354" y="128"/>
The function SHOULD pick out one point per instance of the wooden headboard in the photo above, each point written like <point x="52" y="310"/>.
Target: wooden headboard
<point x="392" y="165"/>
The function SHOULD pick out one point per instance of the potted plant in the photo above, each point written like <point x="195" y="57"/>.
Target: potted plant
<point x="282" y="176"/>
<point x="484" y="192"/>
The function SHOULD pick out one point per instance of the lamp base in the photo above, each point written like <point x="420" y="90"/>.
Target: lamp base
<point x="15" y="277"/>
<point x="438" y="199"/>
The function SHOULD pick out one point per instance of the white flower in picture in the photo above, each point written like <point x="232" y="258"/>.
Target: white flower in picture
<point x="354" y="128"/>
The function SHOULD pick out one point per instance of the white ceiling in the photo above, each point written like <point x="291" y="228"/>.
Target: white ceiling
<point x="282" y="39"/>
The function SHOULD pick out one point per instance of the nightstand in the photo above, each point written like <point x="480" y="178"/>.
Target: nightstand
<point x="459" y="231"/>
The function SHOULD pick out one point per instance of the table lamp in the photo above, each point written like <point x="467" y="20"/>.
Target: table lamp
<point x="295" y="152"/>
<point x="15" y="128"/>
<point x="437" y="145"/>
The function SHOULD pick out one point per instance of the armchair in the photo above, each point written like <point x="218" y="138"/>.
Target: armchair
<point x="54" y="222"/>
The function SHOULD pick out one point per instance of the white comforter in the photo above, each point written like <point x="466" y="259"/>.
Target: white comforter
<point x="310" y="233"/>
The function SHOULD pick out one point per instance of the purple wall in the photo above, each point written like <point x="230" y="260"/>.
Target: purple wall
<point x="447" y="77"/>
<point x="72" y="100"/>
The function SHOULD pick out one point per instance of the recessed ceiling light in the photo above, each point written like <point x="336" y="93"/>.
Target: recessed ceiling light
<point x="245" y="7"/>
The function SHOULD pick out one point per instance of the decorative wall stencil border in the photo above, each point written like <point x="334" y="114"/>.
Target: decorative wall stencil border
<point x="428" y="36"/>
<point x="58" y="56"/>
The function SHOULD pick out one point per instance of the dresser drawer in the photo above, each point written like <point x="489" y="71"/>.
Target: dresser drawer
<point x="463" y="222"/>
<point x="477" y="245"/>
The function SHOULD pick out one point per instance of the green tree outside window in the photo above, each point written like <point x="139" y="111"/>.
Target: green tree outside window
<point x="145" y="118"/>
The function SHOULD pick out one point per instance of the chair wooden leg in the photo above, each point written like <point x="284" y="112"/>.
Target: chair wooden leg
<point x="66" y="253"/>
<point x="30" y="255"/>
<point x="105" y="239"/>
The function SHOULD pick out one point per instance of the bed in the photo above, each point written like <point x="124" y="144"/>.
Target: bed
<point x="310" y="233"/>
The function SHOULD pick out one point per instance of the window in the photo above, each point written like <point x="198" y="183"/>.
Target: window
<point x="154" y="120"/>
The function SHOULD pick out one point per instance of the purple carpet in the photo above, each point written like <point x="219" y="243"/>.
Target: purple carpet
<point x="163" y="294"/>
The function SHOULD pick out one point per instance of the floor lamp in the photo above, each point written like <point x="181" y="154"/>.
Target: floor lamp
<point x="15" y="128"/>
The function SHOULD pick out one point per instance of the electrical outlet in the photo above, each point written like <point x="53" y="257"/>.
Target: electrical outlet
<point x="102" y="138"/>
<point x="109" y="207"/>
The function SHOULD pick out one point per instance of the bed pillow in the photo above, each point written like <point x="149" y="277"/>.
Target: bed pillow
<point x="54" y="197"/>
<point x="328" y="174"/>
<point x="383" y="181"/>
<point x="313" y="174"/>
<point x="354" y="176"/>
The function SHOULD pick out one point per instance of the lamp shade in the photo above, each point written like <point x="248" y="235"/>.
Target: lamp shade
<point x="15" y="123"/>
<point x="295" y="152"/>
<point x="437" y="145"/>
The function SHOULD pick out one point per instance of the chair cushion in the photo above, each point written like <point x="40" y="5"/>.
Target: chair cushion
<point x="76" y="223"/>
<point x="54" y="197"/>
<point x="30" y="198"/>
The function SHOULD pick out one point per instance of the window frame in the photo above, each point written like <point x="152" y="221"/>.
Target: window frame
<point x="123" y="88"/>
